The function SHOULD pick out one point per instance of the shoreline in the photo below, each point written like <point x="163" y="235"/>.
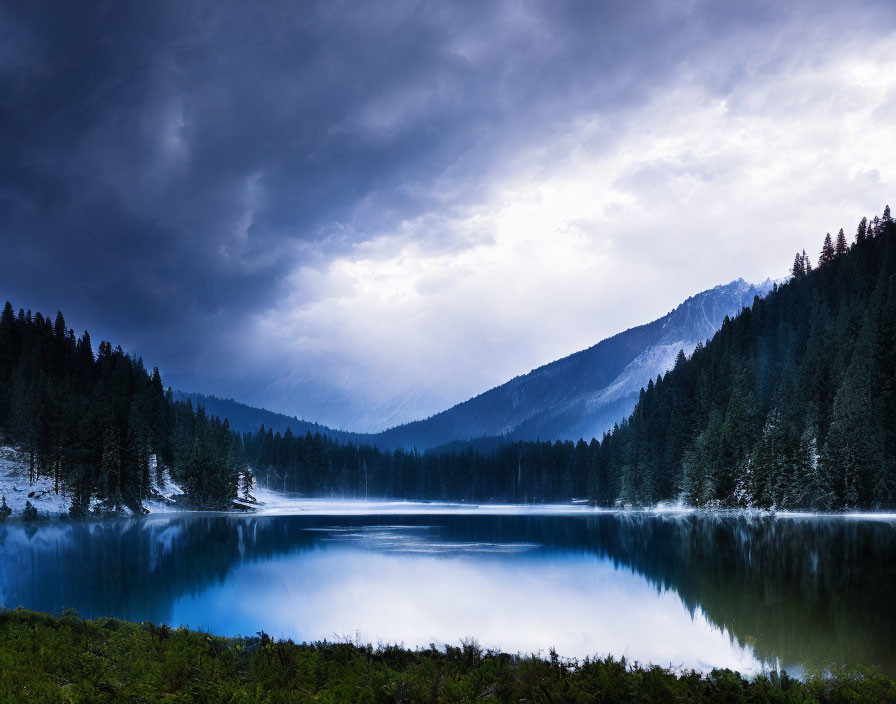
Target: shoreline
<point x="149" y="660"/>
<point x="268" y="503"/>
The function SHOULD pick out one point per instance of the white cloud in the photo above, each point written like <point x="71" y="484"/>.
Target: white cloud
<point x="596" y="228"/>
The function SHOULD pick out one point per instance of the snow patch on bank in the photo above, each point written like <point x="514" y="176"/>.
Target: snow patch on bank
<point x="15" y="487"/>
<point x="168" y="497"/>
<point x="165" y="491"/>
<point x="273" y="503"/>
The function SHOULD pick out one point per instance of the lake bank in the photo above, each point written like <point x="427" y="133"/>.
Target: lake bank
<point x="65" y="659"/>
<point x="169" y="498"/>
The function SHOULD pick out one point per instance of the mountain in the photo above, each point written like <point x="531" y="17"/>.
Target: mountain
<point x="584" y="394"/>
<point x="791" y="404"/>
<point x="248" y="419"/>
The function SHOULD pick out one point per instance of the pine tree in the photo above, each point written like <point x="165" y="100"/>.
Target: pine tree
<point x="24" y="418"/>
<point x="827" y="251"/>
<point x="29" y="513"/>
<point x="804" y="489"/>
<point x="137" y="482"/>
<point x="854" y="449"/>
<point x="8" y="355"/>
<point x="59" y="329"/>
<point x="807" y="265"/>
<point x="841" y="244"/>
<point x="247" y="481"/>
<point x="110" y="480"/>
<point x="764" y="481"/>
<point x="862" y="230"/>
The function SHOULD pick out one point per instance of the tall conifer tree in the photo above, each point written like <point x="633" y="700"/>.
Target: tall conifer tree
<point x="827" y="251"/>
<point x="841" y="246"/>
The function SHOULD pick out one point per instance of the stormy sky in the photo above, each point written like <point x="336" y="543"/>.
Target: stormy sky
<point x="362" y="213"/>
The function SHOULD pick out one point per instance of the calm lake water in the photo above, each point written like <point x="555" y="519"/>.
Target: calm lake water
<point x="673" y="589"/>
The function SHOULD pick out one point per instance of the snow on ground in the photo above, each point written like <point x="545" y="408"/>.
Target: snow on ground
<point x="15" y="487"/>
<point x="263" y="501"/>
<point x="273" y="503"/>
<point x="165" y="492"/>
<point x="42" y="495"/>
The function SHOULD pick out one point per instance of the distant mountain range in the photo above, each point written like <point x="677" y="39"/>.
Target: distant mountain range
<point x="248" y="419"/>
<point x="581" y="395"/>
<point x="584" y="394"/>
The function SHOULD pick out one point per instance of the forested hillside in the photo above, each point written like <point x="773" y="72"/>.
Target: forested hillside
<point x="526" y="472"/>
<point x="585" y="393"/>
<point x="100" y="425"/>
<point x="244" y="418"/>
<point x="581" y="395"/>
<point x="792" y="403"/>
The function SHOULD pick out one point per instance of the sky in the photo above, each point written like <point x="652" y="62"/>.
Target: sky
<point x="363" y="213"/>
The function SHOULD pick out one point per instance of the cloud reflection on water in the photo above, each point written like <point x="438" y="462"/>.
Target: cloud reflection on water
<point x="391" y="585"/>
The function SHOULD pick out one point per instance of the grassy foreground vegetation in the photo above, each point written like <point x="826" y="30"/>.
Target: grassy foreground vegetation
<point x="67" y="659"/>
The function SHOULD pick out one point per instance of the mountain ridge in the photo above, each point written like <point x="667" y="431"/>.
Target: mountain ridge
<point x="245" y="418"/>
<point x="584" y="393"/>
<point x="580" y="395"/>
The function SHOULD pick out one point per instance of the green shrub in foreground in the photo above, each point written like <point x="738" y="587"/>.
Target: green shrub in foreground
<point x="67" y="659"/>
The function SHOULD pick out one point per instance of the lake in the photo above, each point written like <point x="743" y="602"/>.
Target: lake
<point x="681" y="589"/>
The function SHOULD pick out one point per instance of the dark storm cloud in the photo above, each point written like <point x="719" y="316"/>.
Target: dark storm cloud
<point x="166" y="165"/>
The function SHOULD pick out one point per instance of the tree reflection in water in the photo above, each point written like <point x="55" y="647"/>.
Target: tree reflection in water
<point x="802" y="592"/>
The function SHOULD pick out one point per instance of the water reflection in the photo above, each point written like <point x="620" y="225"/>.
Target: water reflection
<point x="694" y="591"/>
<point x="403" y="539"/>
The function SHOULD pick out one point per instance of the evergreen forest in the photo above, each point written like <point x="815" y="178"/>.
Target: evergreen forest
<point x="100" y="425"/>
<point x="792" y="404"/>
